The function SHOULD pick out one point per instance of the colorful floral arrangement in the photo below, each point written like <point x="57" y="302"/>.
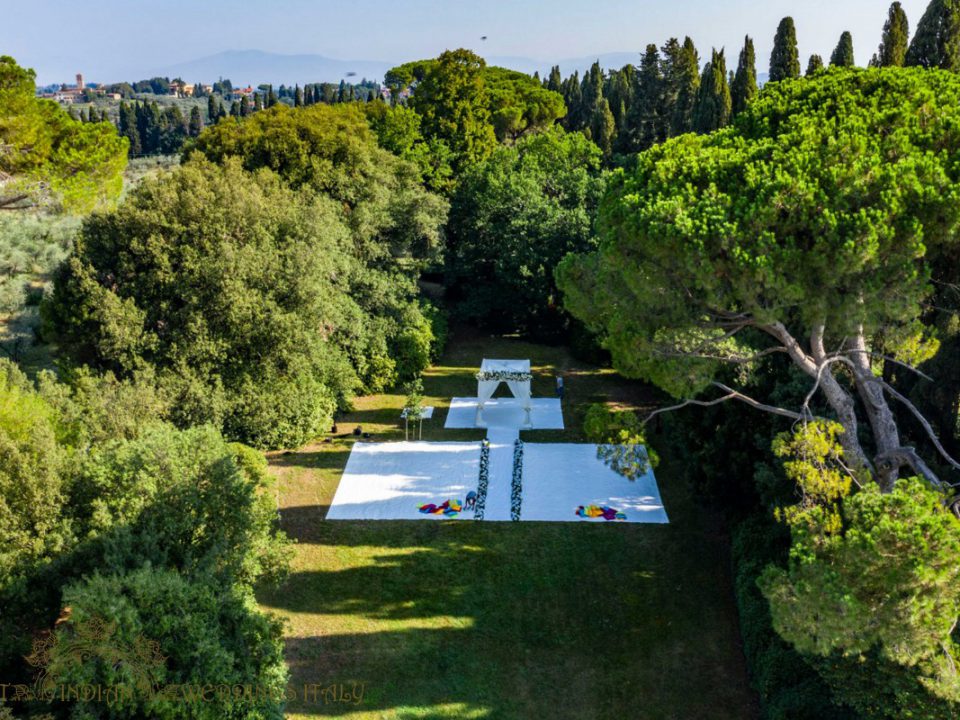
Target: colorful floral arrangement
<point x="600" y="511"/>
<point x="509" y="375"/>
<point x="483" y="481"/>
<point x="449" y="508"/>
<point x="516" y="483"/>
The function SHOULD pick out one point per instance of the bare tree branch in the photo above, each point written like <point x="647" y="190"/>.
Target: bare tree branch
<point x="890" y="359"/>
<point x="921" y="419"/>
<point x="779" y="331"/>
<point x="731" y="395"/>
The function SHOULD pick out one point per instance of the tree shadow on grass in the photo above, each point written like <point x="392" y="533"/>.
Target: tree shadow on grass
<point x="522" y="620"/>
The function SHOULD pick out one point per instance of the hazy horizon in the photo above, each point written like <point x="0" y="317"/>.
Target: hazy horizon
<point x="114" y="40"/>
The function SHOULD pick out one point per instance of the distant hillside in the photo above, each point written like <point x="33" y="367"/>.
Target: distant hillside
<point x="256" y="67"/>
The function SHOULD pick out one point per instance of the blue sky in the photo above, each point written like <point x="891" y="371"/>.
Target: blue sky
<point x="121" y="39"/>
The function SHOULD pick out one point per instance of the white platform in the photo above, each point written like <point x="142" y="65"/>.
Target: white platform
<point x="387" y="481"/>
<point x="557" y="478"/>
<point x="546" y="414"/>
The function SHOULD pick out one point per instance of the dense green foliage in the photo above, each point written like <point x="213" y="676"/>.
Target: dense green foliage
<point x="788" y="686"/>
<point x="519" y="104"/>
<point x="453" y="102"/>
<point x="699" y="209"/>
<point x="152" y="131"/>
<point x="881" y="582"/>
<point x="48" y="157"/>
<point x="513" y="218"/>
<point x="156" y="532"/>
<point x="647" y="104"/>
<point x="699" y="268"/>
<point x="250" y="318"/>
<point x="31" y="247"/>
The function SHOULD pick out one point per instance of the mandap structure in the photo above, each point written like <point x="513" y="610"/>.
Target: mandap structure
<point x="515" y="373"/>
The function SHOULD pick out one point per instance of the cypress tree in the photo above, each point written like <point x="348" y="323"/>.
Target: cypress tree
<point x="843" y="54"/>
<point x="592" y="90"/>
<point x="244" y="106"/>
<point x="235" y="109"/>
<point x="936" y="43"/>
<point x="686" y="72"/>
<point x="271" y="98"/>
<point x="213" y="111"/>
<point x="619" y="94"/>
<point x="342" y="92"/>
<point x="154" y="134"/>
<point x="785" y="59"/>
<point x="536" y="75"/>
<point x="196" y="122"/>
<point x="744" y="86"/>
<point x="671" y="61"/>
<point x="554" y="82"/>
<point x="258" y="102"/>
<point x="128" y="128"/>
<point x="893" y="44"/>
<point x="646" y="121"/>
<point x="603" y="127"/>
<point x="573" y="97"/>
<point x="815" y="64"/>
<point x="714" y="104"/>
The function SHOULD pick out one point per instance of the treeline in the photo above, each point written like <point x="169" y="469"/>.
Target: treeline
<point x="151" y="130"/>
<point x="668" y="93"/>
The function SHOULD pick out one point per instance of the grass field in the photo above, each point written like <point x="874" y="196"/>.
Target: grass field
<point x="504" y="620"/>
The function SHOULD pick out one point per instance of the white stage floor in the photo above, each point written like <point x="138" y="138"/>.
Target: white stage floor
<point x="546" y="414"/>
<point x="387" y="481"/>
<point x="557" y="478"/>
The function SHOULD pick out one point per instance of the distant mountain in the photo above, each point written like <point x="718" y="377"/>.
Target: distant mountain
<point x="256" y="66"/>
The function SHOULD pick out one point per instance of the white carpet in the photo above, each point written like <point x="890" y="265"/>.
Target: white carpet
<point x="557" y="478"/>
<point x="387" y="481"/>
<point x="546" y="414"/>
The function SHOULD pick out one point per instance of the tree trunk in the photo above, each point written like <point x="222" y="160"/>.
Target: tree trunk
<point x="886" y="435"/>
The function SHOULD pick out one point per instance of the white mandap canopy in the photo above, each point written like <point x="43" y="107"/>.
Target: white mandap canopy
<point x="515" y="373"/>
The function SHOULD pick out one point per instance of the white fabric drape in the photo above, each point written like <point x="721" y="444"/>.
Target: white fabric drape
<point x="486" y="389"/>
<point x="520" y="390"/>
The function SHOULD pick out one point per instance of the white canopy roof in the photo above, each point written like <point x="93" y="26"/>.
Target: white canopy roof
<point x="505" y="365"/>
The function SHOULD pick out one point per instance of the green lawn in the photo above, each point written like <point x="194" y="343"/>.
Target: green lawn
<point x="502" y="620"/>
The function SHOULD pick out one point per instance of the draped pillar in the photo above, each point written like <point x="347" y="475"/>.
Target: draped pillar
<point x="485" y="390"/>
<point x="521" y="391"/>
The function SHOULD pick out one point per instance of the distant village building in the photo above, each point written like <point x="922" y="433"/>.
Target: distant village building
<point x="68" y="94"/>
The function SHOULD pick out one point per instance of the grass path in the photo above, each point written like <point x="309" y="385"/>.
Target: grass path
<point x="505" y="620"/>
